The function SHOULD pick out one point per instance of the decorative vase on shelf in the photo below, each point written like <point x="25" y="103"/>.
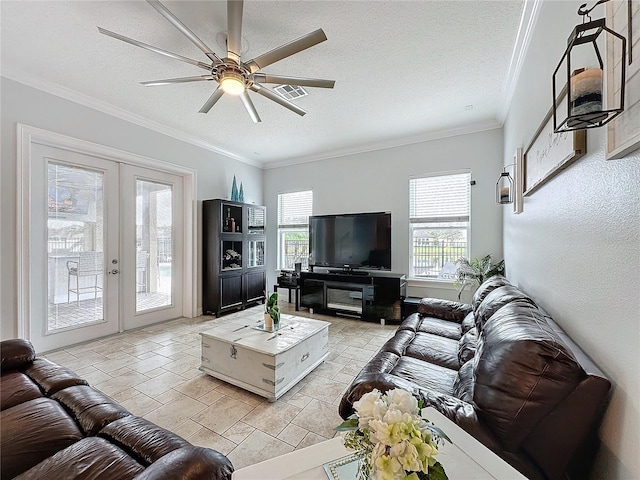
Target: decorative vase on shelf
<point x="234" y="190"/>
<point x="241" y="194"/>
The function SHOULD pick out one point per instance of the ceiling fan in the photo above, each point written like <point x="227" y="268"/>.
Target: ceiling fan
<point x="232" y="75"/>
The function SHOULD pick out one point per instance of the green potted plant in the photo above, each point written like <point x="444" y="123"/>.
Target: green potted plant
<point x="272" y="313"/>
<point x="475" y="271"/>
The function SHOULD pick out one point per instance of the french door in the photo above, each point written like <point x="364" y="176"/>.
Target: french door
<point x="105" y="242"/>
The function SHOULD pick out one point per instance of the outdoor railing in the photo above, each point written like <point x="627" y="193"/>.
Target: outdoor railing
<point x="430" y="256"/>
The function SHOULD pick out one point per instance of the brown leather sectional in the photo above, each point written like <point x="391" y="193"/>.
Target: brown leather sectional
<point x="54" y="425"/>
<point x="504" y="371"/>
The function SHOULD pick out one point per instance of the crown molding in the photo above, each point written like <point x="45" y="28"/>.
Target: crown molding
<point x="104" y="107"/>
<point x="528" y="22"/>
<point x="386" y="144"/>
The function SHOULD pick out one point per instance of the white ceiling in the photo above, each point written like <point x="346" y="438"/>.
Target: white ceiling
<point x="405" y="71"/>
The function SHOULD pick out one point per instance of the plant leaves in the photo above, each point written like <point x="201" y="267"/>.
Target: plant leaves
<point x="350" y="423"/>
<point x="436" y="472"/>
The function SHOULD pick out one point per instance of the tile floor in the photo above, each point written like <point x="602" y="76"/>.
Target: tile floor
<point x="153" y="372"/>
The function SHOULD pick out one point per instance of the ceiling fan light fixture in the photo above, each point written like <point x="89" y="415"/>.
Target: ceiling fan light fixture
<point x="232" y="83"/>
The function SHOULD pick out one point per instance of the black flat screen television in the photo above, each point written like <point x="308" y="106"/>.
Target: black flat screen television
<point x="348" y="241"/>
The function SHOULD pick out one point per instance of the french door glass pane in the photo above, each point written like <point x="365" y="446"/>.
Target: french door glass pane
<point x="75" y="241"/>
<point x="154" y="245"/>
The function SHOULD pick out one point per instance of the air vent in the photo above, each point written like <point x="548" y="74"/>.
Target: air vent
<point x="291" y="92"/>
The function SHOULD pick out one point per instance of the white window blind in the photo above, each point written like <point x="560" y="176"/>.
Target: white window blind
<point x="441" y="198"/>
<point x="294" y="209"/>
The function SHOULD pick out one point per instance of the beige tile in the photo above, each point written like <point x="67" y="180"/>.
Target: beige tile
<point x="271" y="418"/>
<point x="344" y="378"/>
<point x="311" y="439"/>
<point x="159" y="384"/>
<point x="293" y="434"/>
<point x="206" y="438"/>
<point x="211" y="397"/>
<point x="198" y="386"/>
<point x="140" y="404"/>
<point x="149" y="364"/>
<point x="174" y="413"/>
<point x="322" y="388"/>
<point x="298" y="400"/>
<point x="328" y="369"/>
<point x="240" y="394"/>
<point x="116" y="364"/>
<point x="95" y="377"/>
<point x="220" y="415"/>
<point x="186" y="429"/>
<point x="124" y="395"/>
<point x="124" y="380"/>
<point x="257" y="447"/>
<point x="318" y="417"/>
<point x="238" y="432"/>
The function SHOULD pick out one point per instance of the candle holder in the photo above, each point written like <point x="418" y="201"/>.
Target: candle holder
<point x="584" y="105"/>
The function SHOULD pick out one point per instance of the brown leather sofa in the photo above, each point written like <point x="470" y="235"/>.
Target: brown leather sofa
<point x="504" y="371"/>
<point x="54" y="425"/>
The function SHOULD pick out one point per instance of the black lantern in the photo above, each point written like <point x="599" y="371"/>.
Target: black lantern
<point x="504" y="188"/>
<point x="584" y="105"/>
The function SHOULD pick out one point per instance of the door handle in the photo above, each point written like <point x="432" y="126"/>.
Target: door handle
<point x="115" y="271"/>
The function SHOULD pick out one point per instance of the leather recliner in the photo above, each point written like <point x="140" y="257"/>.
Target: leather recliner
<point x="54" y="425"/>
<point x="504" y="371"/>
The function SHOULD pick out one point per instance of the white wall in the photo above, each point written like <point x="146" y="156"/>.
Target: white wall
<point x="379" y="181"/>
<point x="576" y="246"/>
<point x="23" y="104"/>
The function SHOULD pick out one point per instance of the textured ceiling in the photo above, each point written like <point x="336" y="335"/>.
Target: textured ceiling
<point x="403" y="70"/>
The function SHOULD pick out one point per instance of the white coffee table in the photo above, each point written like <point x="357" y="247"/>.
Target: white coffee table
<point x="464" y="459"/>
<point x="265" y="363"/>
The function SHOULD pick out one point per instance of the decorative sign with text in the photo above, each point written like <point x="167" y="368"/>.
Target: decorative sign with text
<point x="549" y="153"/>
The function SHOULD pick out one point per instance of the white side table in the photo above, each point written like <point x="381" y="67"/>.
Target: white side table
<point x="465" y="459"/>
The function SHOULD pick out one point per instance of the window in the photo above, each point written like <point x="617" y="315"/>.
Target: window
<point x="294" y="210"/>
<point x="439" y="224"/>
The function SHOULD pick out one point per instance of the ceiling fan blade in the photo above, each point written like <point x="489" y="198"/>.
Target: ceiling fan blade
<point x="286" y="50"/>
<point x="271" y="95"/>
<point x="248" y="104"/>
<point x="183" y="28"/>
<point x="234" y="29"/>
<point x="177" y="80"/>
<point x="283" y="80"/>
<point x="215" y="96"/>
<point x="154" y="49"/>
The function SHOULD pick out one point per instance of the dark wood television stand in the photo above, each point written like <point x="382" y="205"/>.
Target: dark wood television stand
<point x="373" y="296"/>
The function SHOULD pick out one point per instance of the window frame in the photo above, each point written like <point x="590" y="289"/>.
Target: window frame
<point x="437" y="222"/>
<point x="285" y="228"/>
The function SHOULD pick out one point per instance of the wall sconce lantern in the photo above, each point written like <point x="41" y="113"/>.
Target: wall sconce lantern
<point x="584" y="106"/>
<point x="504" y="187"/>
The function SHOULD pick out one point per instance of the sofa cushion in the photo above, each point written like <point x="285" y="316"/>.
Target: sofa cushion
<point x="443" y="328"/>
<point x="425" y="374"/>
<point x="142" y="439"/>
<point x="15" y="388"/>
<point x="522" y="370"/>
<point x="92" y="409"/>
<point x="468" y="323"/>
<point x="33" y="431"/>
<point x="434" y="349"/>
<point x="52" y="377"/>
<point x="486" y="288"/>
<point x="92" y="458"/>
<point x="444" y="309"/>
<point x="467" y="346"/>
<point x="463" y="384"/>
<point x="495" y="300"/>
<point x="16" y="353"/>
<point x="189" y="463"/>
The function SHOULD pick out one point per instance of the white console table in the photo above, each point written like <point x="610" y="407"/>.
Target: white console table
<point x="464" y="459"/>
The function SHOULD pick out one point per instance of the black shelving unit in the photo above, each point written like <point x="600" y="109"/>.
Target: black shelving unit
<point x="233" y="248"/>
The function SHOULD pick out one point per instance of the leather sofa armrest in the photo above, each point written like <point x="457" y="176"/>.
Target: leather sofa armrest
<point x="444" y="309"/>
<point x="189" y="463"/>
<point x="463" y="414"/>
<point x="16" y="353"/>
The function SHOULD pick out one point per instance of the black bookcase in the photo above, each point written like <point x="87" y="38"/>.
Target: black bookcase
<point x="233" y="251"/>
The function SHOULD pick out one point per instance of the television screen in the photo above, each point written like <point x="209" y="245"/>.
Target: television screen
<point x="361" y="240"/>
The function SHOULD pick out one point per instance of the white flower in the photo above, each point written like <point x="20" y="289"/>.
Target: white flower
<point x="370" y="407"/>
<point x="402" y="400"/>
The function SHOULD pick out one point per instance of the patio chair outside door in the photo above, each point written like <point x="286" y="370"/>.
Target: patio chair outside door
<point x="89" y="264"/>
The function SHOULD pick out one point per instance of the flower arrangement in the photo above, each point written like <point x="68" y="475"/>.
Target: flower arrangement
<point x="392" y="439"/>
<point x="272" y="312"/>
